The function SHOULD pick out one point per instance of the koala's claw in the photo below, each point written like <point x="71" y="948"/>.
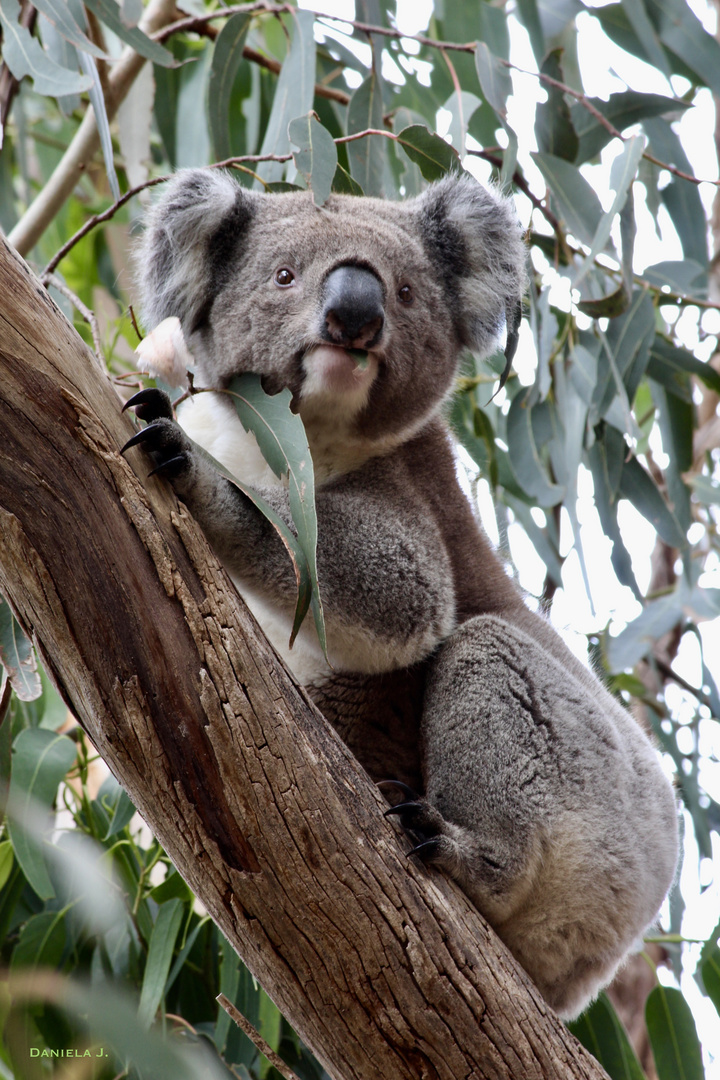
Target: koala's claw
<point x="146" y="434"/>
<point x="150" y="404"/>
<point x="428" y="849"/>
<point x="171" y="467"/>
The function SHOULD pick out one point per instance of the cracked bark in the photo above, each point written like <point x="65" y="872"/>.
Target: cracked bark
<point x="383" y="967"/>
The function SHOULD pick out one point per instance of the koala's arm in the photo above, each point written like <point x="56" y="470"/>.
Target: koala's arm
<point x="385" y="577"/>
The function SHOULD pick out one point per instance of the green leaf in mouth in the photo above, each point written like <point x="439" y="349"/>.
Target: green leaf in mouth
<point x="360" y="356"/>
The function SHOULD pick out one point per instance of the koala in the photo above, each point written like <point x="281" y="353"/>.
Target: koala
<point x="517" y="772"/>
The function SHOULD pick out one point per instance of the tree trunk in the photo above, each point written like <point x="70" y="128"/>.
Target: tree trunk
<point x="383" y="967"/>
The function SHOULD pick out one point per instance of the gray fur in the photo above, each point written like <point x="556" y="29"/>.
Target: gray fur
<point x="540" y="794"/>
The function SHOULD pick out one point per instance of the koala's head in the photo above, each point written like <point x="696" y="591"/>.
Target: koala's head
<point x="273" y="284"/>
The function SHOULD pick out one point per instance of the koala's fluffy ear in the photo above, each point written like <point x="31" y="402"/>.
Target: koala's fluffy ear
<point x="473" y="235"/>
<point x="191" y="234"/>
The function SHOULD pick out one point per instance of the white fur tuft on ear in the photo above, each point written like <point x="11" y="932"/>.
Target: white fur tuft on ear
<point x="201" y="212"/>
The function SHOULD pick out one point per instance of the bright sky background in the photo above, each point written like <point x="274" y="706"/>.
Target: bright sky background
<point x="605" y="69"/>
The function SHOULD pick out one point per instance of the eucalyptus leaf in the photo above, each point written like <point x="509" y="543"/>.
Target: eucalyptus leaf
<point x="576" y="202"/>
<point x="686" y="277"/>
<point x="116" y="805"/>
<point x="525" y="455"/>
<point x="316" y="157"/>
<point x="710" y="972"/>
<point x="111" y="1017"/>
<point x="24" y="55"/>
<point x="343" y="183"/>
<point x="636" y="641"/>
<point x="606" y="458"/>
<point x="494" y="29"/>
<point x="434" y="157"/>
<point x="226" y="62"/>
<point x="554" y="127"/>
<point x="625" y="173"/>
<point x="131" y="11"/>
<point x="530" y="17"/>
<point x="293" y="95"/>
<point x="159" y="957"/>
<point x="59" y="14"/>
<point x="192" y="135"/>
<point x="681" y="197"/>
<point x="283" y="443"/>
<point x="680" y="30"/>
<point x="600" y="1031"/>
<point x="609" y="306"/>
<point x="622" y="110"/>
<point x="172" y="888"/>
<point x="17" y="656"/>
<point x="494" y="78"/>
<point x="109" y="14"/>
<point x="646" y="33"/>
<point x="461" y="106"/>
<point x="367" y="156"/>
<point x="6" y="861"/>
<point x="706" y="491"/>
<point x="637" y="485"/>
<point x="675" y="419"/>
<point x="673" y="1036"/>
<point x="40" y="761"/>
<point x="101" y="119"/>
<point x="671" y="366"/>
<point x="41" y="942"/>
<point x="288" y="537"/>
<point x="626" y="352"/>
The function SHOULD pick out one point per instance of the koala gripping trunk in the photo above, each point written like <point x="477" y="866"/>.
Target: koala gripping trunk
<point x="385" y="970"/>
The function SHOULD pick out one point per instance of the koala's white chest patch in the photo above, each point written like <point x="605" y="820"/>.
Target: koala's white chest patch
<point x="210" y="419"/>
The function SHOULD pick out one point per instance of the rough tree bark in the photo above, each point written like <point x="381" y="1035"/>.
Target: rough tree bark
<point x="383" y="967"/>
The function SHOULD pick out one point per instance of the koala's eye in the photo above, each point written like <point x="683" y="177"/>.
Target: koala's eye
<point x="405" y="294"/>
<point x="284" y="277"/>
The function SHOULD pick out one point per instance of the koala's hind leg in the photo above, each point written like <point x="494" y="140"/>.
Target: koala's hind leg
<point x="545" y="801"/>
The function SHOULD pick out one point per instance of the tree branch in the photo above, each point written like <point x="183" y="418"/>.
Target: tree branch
<point x="383" y="967"/>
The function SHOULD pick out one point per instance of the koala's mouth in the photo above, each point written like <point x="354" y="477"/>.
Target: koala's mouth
<point x="334" y="370"/>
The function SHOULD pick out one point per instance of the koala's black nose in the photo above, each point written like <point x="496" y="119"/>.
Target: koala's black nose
<point x="353" y="307"/>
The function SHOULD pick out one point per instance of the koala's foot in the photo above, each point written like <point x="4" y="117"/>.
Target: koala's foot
<point x="485" y="870"/>
<point x="425" y="823"/>
<point x="163" y="439"/>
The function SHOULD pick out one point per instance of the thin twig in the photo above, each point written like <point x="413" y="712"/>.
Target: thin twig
<point x="254" y="1035"/>
<point x="88" y="315"/>
<point x="97" y="219"/>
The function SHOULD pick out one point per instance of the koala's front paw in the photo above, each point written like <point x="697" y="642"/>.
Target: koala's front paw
<point x="163" y="439"/>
